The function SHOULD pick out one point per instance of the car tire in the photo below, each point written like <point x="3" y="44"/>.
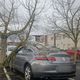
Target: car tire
<point x="28" y="73"/>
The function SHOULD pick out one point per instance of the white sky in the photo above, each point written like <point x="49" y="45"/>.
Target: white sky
<point x="47" y="11"/>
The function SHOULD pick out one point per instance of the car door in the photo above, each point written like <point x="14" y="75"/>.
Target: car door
<point x="18" y="60"/>
<point x="25" y="55"/>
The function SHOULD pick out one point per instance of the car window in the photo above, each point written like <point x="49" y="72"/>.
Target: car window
<point x="60" y="55"/>
<point x="20" y="52"/>
<point x="27" y="50"/>
<point x="11" y="48"/>
<point x="40" y="46"/>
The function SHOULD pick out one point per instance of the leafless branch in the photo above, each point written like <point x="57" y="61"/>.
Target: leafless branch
<point x="66" y="10"/>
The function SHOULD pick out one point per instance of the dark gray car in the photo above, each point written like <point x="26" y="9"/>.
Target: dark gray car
<point x="36" y="60"/>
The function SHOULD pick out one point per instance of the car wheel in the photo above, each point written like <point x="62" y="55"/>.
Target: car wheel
<point x="28" y="73"/>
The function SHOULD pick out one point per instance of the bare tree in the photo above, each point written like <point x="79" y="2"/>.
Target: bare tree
<point x="66" y="17"/>
<point x="10" y="20"/>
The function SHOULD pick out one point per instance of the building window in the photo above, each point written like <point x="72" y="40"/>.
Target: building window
<point x="68" y="44"/>
<point x="42" y="40"/>
<point x="63" y="45"/>
<point x="52" y="38"/>
<point x="37" y="38"/>
<point x="57" y="44"/>
<point x="64" y="36"/>
<point x="58" y="36"/>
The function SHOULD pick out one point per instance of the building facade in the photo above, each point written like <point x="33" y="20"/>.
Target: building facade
<point x="59" y="40"/>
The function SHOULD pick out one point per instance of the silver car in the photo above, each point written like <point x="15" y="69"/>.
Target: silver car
<point x="36" y="60"/>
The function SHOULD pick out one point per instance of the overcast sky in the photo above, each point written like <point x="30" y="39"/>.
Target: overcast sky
<point x="42" y="23"/>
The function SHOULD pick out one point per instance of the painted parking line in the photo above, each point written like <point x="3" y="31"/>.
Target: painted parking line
<point x="71" y="79"/>
<point x="5" y="71"/>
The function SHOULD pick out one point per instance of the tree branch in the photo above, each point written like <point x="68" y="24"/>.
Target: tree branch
<point x="27" y="23"/>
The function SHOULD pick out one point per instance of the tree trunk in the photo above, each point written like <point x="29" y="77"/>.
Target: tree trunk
<point x="55" y="39"/>
<point x="75" y="54"/>
<point x="3" y="48"/>
<point x="46" y="43"/>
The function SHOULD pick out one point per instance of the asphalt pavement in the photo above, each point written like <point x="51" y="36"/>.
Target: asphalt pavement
<point x="77" y="72"/>
<point x="19" y="76"/>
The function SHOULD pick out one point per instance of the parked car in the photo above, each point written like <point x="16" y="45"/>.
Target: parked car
<point x="35" y="60"/>
<point x="72" y="52"/>
<point x="10" y="49"/>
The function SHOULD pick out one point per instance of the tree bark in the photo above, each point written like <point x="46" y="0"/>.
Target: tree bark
<point x="46" y="40"/>
<point x="3" y="50"/>
<point x="55" y="39"/>
<point x="75" y="54"/>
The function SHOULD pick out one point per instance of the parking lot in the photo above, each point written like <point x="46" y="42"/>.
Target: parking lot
<point x="18" y="76"/>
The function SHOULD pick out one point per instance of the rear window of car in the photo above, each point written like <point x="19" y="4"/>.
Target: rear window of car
<point x="39" y="46"/>
<point x="60" y="55"/>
